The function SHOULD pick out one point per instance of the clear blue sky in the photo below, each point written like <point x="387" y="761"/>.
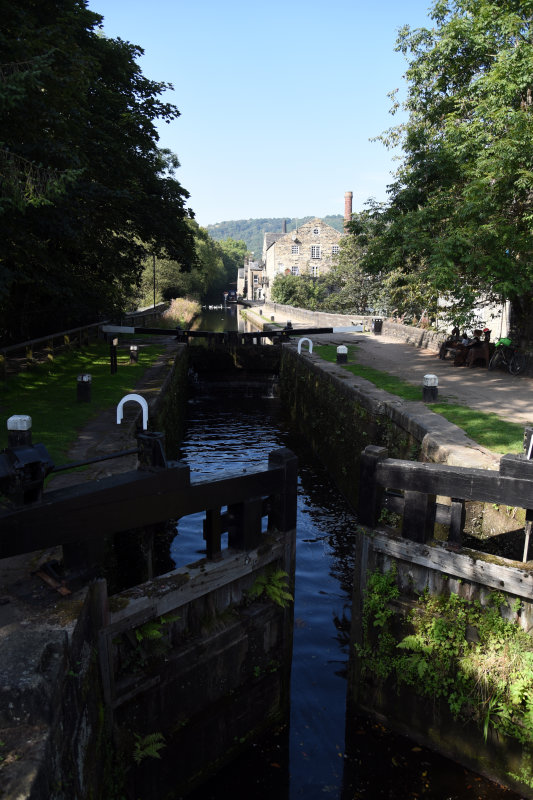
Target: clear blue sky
<point x="278" y="100"/>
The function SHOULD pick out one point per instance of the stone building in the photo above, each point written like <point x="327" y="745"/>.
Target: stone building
<point x="250" y="280"/>
<point x="308" y="250"/>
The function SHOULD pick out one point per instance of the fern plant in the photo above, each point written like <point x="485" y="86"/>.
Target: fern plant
<point x="275" y="584"/>
<point x="148" y="746"/>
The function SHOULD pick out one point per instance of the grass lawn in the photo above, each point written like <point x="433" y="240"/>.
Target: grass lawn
<point x="48" y="393"/>
<point x="488" y="430"/>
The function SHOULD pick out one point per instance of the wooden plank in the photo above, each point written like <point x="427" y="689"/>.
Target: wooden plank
<point x="461" y="482"/>
<point x="122" y="502"/>
<point x="457" y="520"/>
<point x="418" y="516"/>
<point x="496" y="574"/>
<point x="166" y="596"/>
<point x="370" y="490"/>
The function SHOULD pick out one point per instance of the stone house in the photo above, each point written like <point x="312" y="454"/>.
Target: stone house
<point x="308" y="250"/>
<point x="250" y="280"/>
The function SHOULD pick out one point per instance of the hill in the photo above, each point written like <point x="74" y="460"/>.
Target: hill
<point x="251" y="231"/>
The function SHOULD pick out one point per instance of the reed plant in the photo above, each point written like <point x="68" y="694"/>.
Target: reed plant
<point x="180" y="313"/>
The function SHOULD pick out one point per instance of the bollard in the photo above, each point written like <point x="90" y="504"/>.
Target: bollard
<point x="260" y="312"/>
<point x="430" y="389"/>
<point x="113" y="356"/>
<point x="528" y="443"/>
<point x="342" y="354"/>
<point x="134" y="354"/>
<point x="19" y="430"/>
<point x="272" y="318"/>
<point x="83" y="388"/>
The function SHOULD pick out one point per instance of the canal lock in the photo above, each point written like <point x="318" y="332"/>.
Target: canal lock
<point x="314" y="751"/>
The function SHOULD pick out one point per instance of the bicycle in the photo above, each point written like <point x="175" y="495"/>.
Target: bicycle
<point x="507" y="355"/>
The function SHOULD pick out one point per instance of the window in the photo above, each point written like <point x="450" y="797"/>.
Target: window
<point x="335" y="249"/>
<point x="256" y="278"/>
<point x="316" y="231"/>
<point x="315" y="251"/>
<point x="295" y="249"/>
<point x="295" y="270"/>
<point x="315" y="270"/>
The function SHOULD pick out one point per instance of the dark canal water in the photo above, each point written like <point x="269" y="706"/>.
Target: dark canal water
<point x="309" y="756"/>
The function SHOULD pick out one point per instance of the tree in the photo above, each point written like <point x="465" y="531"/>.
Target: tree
<point x="86" y="192"/>
<point x="215" y="267"/>
<point x="348" y="288"/>
<point x="461" y="207"/>
<point x="301" y="291"/>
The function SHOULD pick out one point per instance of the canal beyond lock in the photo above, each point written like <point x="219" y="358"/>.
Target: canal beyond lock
<point x="309" y="756"/>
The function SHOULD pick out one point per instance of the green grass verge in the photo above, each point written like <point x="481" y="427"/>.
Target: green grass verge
<point x="487" y="429"/>
<point x="48" y="393"/>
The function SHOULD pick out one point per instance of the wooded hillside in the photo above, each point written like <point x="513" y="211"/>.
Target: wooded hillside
<point x="251" y="231"/>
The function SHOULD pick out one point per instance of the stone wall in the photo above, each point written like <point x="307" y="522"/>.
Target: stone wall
<point x="340" y="414"/>
<point x="418" y="337"/>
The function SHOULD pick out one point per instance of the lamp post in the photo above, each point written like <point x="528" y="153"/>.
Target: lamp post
<point x="153" y="257"/>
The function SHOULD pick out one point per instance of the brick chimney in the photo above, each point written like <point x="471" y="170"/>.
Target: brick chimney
<point x="348" y="197"/>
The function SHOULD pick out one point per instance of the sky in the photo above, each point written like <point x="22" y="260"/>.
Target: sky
<point x="278" y="101"/>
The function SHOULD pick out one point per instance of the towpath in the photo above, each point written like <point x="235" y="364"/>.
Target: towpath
<point x="508" y="396"/>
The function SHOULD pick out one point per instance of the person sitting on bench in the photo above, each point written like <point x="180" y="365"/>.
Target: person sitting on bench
<point x="450" y="342"/>
<point x="468" y="351"/>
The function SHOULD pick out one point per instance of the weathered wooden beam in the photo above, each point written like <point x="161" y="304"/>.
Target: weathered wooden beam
<point x="127" y="501"/>
<point x="283" y="510"/>
<point x="418" y="516"/>
<point x="498" y="573"/>
<point x="457" y="520"/>
<point x="370" y="489"/>
<point x="461" y="482"/>
<point x="213" y="533"/>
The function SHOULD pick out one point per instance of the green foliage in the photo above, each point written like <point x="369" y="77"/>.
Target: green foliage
<point x="298" y="290"/>
<point x="214" y="269"/>
<point x="459" y="220"/>
<point x="251" y="231"/>
<point x="274" y="583"/>
<point x="149" y="642"/>
<point x="347" y="287"/>
<point x="377" y="648"/>
<point x="82" y="205"/>
<point x="148" y="746"/>
<point x="480" y="664"/>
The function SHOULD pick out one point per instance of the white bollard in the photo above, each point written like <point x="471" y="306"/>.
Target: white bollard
<point x="342" y="354"/>
<point x="430" y="388"/>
